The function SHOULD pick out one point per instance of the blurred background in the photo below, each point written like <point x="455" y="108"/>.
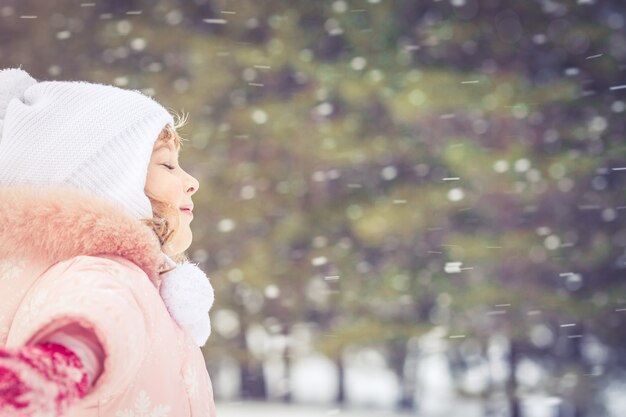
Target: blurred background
<point x="407" y="207"/>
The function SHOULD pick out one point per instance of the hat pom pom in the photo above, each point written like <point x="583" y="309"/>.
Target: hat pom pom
<point x="13" y="83"/>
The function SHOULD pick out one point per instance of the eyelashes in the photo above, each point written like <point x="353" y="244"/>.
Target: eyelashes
<point x="170" y="167"/>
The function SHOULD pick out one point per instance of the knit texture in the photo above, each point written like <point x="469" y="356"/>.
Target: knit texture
<point x="90" y="136"/>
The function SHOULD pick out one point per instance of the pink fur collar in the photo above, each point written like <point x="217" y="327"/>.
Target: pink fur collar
<point x="58" y="223"/>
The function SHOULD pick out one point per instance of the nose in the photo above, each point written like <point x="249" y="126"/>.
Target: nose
<point x="192" y="184"/>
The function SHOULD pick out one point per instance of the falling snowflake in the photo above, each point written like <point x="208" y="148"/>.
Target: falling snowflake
<point x="143" y="408"/>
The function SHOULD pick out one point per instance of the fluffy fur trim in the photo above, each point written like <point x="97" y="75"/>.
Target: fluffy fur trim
<point x="188" y="296"/>
<point x="60" y="222"/>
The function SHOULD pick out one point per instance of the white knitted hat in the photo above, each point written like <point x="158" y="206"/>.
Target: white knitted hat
<point x="94" y="137"/>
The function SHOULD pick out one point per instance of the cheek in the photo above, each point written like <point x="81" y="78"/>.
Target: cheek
<point x="163" y="186"/>
<point x="171" y="190"/>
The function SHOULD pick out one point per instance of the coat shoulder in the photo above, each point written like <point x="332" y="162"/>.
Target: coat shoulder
<point x="53" y="224"/>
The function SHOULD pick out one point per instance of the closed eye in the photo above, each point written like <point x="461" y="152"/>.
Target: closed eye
<point x="168" y="166"/>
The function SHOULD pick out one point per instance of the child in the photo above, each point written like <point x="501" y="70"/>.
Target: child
<point x="96" y="318"/>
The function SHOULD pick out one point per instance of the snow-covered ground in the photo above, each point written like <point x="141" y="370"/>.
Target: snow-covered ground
<point x="258" y="409"/>
<point x="274" y="409"/>
<point x="372" y="390"/>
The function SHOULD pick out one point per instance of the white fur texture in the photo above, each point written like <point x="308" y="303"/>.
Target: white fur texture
<point x="188" y="296"/>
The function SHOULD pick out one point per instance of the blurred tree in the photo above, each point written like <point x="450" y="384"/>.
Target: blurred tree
<point x="378" y="168"/>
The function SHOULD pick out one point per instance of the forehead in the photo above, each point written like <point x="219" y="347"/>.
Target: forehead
<point x="169" y="145"/>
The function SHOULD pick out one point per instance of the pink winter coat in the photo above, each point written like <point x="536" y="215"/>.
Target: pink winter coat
<point x="69" y="257"/>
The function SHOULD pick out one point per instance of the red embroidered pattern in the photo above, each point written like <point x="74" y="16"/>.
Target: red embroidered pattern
<point x="42" y="380"/>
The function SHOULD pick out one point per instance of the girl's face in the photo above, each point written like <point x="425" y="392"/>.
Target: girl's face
<point x="168" y="182"/>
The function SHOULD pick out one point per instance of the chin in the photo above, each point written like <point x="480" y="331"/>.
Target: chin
<point x="185" y="242"/>
<point x="180" y="242"/>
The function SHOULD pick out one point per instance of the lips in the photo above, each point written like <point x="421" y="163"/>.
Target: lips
<point x="187" y="209"/>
